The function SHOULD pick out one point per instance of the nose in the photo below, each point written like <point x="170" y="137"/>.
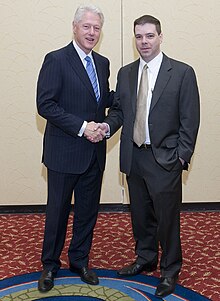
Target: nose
<point x="144" y="40"/>
<point x="92" y="30"/>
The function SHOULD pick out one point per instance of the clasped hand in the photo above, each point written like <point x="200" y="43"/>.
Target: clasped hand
<point x="95" y="132"/>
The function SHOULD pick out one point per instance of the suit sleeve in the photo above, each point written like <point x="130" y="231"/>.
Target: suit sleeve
<point x="110" y="93"/>
<point x="49" y="88"/>
<point x="189" y="110"/>
<point x="115" y="114"/>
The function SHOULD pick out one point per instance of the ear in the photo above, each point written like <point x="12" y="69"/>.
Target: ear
<point x="74" y="27"/>
<point x="161" y="37"/>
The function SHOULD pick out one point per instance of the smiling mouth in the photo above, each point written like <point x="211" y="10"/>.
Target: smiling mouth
<point x="90" y="39"/>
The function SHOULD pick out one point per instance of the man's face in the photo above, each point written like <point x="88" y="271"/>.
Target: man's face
<point x="87" y="31"/>
<point x="147" y="41"/>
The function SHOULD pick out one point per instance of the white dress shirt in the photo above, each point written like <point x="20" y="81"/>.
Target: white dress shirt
<point x="152" y="70"/>
<point x="82" y="56"/>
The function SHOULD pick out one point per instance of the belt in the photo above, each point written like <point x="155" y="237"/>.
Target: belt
<point x="143" y="145"/>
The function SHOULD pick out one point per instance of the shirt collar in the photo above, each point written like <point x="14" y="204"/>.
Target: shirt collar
<point x="80" y="52"/>
<point x="153" y="63"/>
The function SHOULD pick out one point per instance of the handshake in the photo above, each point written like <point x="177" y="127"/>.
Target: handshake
<point x="96" y="132"/>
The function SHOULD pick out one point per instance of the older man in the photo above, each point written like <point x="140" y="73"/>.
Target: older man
<point x="73" y="90"/>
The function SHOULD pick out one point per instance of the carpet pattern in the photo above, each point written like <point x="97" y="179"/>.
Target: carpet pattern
<point x="68" y="286"/>
<point x="21" y="239"/>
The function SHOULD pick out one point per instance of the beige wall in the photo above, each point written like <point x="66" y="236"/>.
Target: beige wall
<point x="31" y="28"/>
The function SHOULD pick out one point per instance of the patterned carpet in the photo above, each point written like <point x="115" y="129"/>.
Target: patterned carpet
<point x="68" y="286"/>
<point x="21" y="242"/>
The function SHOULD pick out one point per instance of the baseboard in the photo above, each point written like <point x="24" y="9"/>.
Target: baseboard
<point x="214" y="206"/>
<point x="16" y="209"/>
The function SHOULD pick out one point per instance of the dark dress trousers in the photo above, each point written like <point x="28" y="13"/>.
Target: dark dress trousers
<point x="65" y="98"/>
<point x="154" y="174"/>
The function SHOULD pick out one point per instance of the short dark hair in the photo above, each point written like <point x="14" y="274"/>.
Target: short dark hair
<point x="148" y="19"/>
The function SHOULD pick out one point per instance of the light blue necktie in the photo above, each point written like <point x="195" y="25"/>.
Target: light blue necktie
<point x="92" y="76"/>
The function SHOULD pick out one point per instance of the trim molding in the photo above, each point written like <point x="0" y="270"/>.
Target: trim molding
<point x="15" y="209"/>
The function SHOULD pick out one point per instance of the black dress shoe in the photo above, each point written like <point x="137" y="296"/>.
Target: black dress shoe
<point x="46" y="281"/>
<point x="86" y="275"/>
<point x="166" y="286"/>
<point x="136" y="268"/>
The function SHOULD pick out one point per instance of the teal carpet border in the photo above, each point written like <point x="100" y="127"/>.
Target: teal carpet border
<point x="68" y="286"/>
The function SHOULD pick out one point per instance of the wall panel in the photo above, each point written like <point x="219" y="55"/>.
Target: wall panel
<point x="191" y="30"/>
<point x="29" y="29"/>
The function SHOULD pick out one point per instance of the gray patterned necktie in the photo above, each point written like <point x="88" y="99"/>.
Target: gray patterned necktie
<point x="141" y="109"/>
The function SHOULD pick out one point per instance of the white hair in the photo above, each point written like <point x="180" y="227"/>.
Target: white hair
<point x="82" y="9"/>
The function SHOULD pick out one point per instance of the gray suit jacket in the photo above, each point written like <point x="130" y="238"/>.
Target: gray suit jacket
<point x="173" y="118"/>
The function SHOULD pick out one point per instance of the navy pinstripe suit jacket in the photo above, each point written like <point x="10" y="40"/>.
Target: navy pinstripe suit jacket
<point x="65" y="98"/>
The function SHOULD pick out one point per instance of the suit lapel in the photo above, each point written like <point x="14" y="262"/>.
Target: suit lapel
<point x="133" y="80"/>
<point x="162" y="80"/>
<point x="78" y="67"/>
